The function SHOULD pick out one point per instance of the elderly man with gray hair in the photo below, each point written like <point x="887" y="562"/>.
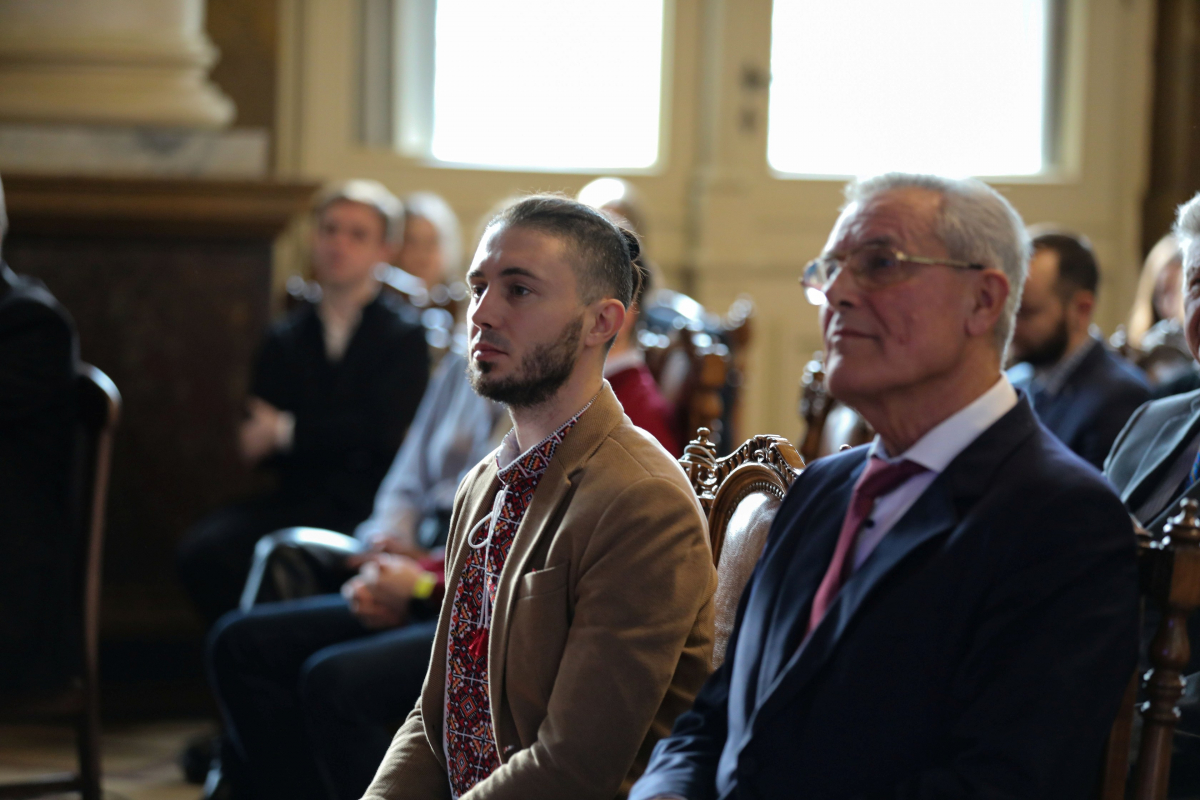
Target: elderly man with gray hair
<point x="949" y="611"/>
<point x="1155" y="462"/>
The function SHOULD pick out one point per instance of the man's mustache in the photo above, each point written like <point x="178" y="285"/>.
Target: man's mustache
<point x="492" y="338"/>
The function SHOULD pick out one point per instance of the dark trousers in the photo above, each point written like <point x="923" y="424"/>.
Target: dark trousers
<point x="215" y="555"/>
<point x="311" y="698"/>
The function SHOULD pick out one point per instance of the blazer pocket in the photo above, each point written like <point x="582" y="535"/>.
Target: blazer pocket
<point x="543" y="581"/>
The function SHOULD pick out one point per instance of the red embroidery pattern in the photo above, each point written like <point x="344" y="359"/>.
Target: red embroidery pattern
<point x="470" y="742"/>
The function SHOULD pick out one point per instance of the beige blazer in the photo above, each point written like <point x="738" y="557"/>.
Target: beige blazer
<point x="593" y="655"/>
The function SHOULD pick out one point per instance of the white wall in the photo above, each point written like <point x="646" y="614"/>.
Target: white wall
<point x="716" y="213"/>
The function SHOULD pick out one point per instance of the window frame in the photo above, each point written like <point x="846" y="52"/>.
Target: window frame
<point x="395" y="107"/>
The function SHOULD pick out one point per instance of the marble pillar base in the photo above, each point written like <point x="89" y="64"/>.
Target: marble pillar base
<point x="133" y="152"/>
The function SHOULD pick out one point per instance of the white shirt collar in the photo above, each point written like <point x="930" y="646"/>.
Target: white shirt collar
<point x="937" y="448"/>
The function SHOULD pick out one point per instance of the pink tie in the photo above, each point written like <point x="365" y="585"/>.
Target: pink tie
<point x="877" y="479"/>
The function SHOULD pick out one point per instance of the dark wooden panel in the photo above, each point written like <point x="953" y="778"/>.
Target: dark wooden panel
<point x="169" y="283"/>
<point x="1175" y="126"/>
<point x="175" y="324"/>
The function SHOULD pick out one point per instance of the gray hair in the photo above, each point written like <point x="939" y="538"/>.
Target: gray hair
<point x="975" y="223"/>
<point x="1187" y="227"/>
<point x="432" y="207"/>
<point x="370" y="193"/>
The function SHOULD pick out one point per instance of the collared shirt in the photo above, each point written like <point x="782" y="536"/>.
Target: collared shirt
<point x="451" y="433"/>
<point x="934" y="451"/>
<point x="469" y="740"/>
<point x="1051" y="380"/>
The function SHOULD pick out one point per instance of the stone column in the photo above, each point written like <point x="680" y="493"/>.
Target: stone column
<point x="112" y="62"/>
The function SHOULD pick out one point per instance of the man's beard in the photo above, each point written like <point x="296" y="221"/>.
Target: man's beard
<point x="1049" y="352"/>
<point x="541" y="374"/>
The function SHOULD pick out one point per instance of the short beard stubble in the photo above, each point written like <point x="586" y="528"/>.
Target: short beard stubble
<point x="1050" y="352"/>
<point x="542" y="373"/>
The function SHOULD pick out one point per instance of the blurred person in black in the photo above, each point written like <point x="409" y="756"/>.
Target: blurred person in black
<point x="334" y="389"/>
<point x="38" y="350"/>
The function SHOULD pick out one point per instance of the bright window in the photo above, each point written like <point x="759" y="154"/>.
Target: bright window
<point x="955" y="87"/>
<point x="547" y="84"/>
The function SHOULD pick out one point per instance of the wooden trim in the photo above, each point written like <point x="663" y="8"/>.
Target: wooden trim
<point x="67" y="205"/>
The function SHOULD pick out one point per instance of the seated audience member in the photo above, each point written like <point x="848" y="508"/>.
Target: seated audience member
<point x="578" y="615"/>
<point x="1158" y="303"/>
<point x="1079" y="389"/>
<point x="1156" y="461"/>
<point x="626" y="371"/>
<point x="432" y="245"/>
<point x="1155" y="329"/>
<point x="343" y="671"/>
<point x="950" y="611"/>
<point x="38" y="351"/>
<point x="334" y="389"/>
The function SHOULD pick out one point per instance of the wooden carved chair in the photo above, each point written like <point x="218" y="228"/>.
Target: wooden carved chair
<point x="740" y="494"/>
<point x="99" y="405"/>
<point x="698" y="360"/>
<point x="829" y="426"/>
<point x="1169" y="574"/>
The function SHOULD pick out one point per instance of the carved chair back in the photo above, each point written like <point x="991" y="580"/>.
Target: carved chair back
<point x="698" y="360"/>
<point x="829" y="426"/>
<point x="1169" y="573"/>
<point x="740" y="494"/>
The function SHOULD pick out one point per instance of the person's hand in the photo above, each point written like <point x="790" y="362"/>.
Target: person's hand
<point x="369" y="611"/>
<point x="391" y="579"/>
<point x="261" y="433"/>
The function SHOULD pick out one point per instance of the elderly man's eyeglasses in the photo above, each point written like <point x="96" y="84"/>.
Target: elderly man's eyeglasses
<point x="873" y="267"/>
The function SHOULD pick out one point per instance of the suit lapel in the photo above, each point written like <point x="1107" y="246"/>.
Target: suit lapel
<point x="551" y="491"/>
<point x="1172" y="435"/>
<point x="778" y="618"/>
<point x="932" y="516"/>
<point x="541" y="520"/>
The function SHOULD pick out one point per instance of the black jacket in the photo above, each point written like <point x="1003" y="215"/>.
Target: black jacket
<point x="38" y="351"/>
<point x="1093" y="405"/>
<point x="351" y="415"/>
<point x="980" y="651"/>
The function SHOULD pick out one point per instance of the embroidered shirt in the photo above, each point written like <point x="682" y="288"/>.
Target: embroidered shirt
<point x="470" y="743"/>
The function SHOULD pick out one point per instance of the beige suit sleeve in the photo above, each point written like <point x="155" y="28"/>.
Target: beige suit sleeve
<point x="410" y="769"/>
<point x="644" y="577"/>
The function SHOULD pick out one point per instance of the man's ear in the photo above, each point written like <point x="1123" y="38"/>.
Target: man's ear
<point x="989" y="299"/>
<point x="608" y="317"/>
<point x="1082" y="305"/>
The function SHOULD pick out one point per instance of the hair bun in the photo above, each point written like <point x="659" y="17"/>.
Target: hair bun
<point x="631" y="241"/>
<point x="635" y="259"/>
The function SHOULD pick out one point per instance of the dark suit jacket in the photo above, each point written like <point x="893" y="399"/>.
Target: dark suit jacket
<point x="980" y="651"/>
<point x="38" y="351"/>
<point x="351" y="414"/>
<point x="1149" y="444"/>
<point x="1093" y="405"/>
